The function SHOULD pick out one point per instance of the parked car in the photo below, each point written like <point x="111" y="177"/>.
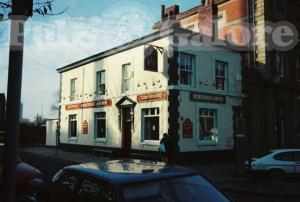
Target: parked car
<point x="130" y="181"/>
<point x="277" y="163"/>
<point x="28" y="178"/>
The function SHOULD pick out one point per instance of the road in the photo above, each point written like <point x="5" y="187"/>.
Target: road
<point x="50" y="166"/>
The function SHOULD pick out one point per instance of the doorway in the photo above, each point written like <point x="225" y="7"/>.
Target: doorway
<point x="126" y="130"/>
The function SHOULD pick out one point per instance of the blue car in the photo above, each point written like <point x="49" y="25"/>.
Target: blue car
<point x="131" y="181"/>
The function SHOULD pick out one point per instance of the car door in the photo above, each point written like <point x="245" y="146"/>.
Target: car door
<point x="64" y="189"/>
<point x="93" y="190"/>
<point x="285" y="162"/>
<point x="297" y="161"/>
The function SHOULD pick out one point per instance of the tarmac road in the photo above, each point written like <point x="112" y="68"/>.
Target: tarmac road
<point x="50" y="166"/>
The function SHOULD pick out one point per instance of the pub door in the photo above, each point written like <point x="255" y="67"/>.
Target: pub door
<point x="126" y="131"/>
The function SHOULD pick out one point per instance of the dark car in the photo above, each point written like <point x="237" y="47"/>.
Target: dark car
<point x="131" y="181"/>
<point x="28" y="177"/>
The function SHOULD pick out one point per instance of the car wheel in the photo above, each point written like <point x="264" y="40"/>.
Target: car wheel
<point x="276" y="174"/>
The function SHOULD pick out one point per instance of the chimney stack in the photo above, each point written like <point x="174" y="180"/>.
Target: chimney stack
<point x="163" y="11"/>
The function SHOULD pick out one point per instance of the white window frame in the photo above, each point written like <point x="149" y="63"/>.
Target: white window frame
<point x="126" y="79"/>
<point x="73" y="89"/>
<point x="72" y="119"/>
<point x="157" y="114"/>
<point x="192" y="71"/>
<point x="225" y="77"/>
<point x="215" y="117"/>
<point x="95" y="127"/>
<point x="100" y="82"/>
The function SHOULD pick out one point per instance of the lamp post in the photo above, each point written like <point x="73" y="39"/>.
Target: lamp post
<point x="21" y="10"/>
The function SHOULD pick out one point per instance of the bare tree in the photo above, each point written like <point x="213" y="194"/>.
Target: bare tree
<point x="41" y="7"/>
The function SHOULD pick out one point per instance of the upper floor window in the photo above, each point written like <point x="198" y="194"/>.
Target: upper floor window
<point x="73" y="89"/>
<point x="150" y="59"/>
<point x="280" y="63"/>
<point x="220" y="74"/>
<point x="126" y="77"/>
<point x="100" y="86"/>
<point x="186" y="68"/>
<point x="73" y="125"/>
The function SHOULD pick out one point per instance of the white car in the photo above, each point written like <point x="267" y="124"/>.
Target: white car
<point x="277" y="164"/>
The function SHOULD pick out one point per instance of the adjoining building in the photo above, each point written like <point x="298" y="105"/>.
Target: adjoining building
<point x="271" y="75"/>
<point x="125" y="98"/>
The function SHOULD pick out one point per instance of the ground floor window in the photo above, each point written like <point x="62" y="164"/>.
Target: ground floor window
<point x="150" y="118"/>
<point x="100" y="125"/>
<point x="73" y="125"/>
<point x="208" y="125"/>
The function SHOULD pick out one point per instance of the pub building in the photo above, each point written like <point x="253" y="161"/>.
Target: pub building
<point x="124" y="99"/>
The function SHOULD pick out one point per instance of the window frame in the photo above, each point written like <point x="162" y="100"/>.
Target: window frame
<point x="70" y="120"/>
<point x="99" y="82"/>
<point x="215" y="117"/>
<point x="96" y="138"/>
<point x="225" y="77"/>
<point x="281" y="153"/>
<point x="143" y="116"/>
<point x="126" y="80"/>
<point x="192" y="71"/>
<point x="73" y="89"/>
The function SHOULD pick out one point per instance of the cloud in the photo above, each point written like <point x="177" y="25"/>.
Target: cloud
<point x="53" y="43"/>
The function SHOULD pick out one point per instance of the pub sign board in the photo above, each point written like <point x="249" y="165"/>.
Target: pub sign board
<point x="205" y="97"/>
<point x="85" y="105"/>
<point x="187" y="127"/>
<point x="152" y="97"/>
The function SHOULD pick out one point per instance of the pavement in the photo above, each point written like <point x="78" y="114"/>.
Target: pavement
<point x="229" y="177"/>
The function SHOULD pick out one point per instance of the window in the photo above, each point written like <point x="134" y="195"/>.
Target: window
<point x="280" y="66"/>
<point x="208" y="125"/>
<point x="220" y="71"/>
<point x="151" y="59"/>
<point x="126" y="78"/>
<point x="93" y="191"/>
<point x="73" y="89"/>
<point x="100" y="85"/>
<point x="298" y="68"/>
<point x="151" y="123"/>
<point x="285" y="156"/>
<point x="73" y="125"/>
<point x="186" y="65"/>
<point x="100" y="126"/>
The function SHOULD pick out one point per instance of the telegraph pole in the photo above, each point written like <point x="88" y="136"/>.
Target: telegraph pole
<point x="21" y="10"/>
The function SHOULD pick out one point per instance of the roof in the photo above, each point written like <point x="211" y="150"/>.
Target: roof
<point x="206" y="40"/>
<point x="132" y="44"/>
<point x="128" y="171"/>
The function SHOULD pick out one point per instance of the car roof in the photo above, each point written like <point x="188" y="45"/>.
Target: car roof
<point x="127" y="171"/>
<point x="285" y="150"/>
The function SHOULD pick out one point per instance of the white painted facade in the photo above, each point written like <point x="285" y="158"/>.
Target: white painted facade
<point x="144" y="82"/>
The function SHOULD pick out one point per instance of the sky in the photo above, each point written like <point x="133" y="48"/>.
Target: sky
<point x="87" y="27"/>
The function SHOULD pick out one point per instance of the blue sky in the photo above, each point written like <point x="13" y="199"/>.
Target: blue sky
<point x="87" y="27"/>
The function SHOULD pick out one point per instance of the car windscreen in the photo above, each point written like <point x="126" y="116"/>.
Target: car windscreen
<point x="185" y="189"/>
